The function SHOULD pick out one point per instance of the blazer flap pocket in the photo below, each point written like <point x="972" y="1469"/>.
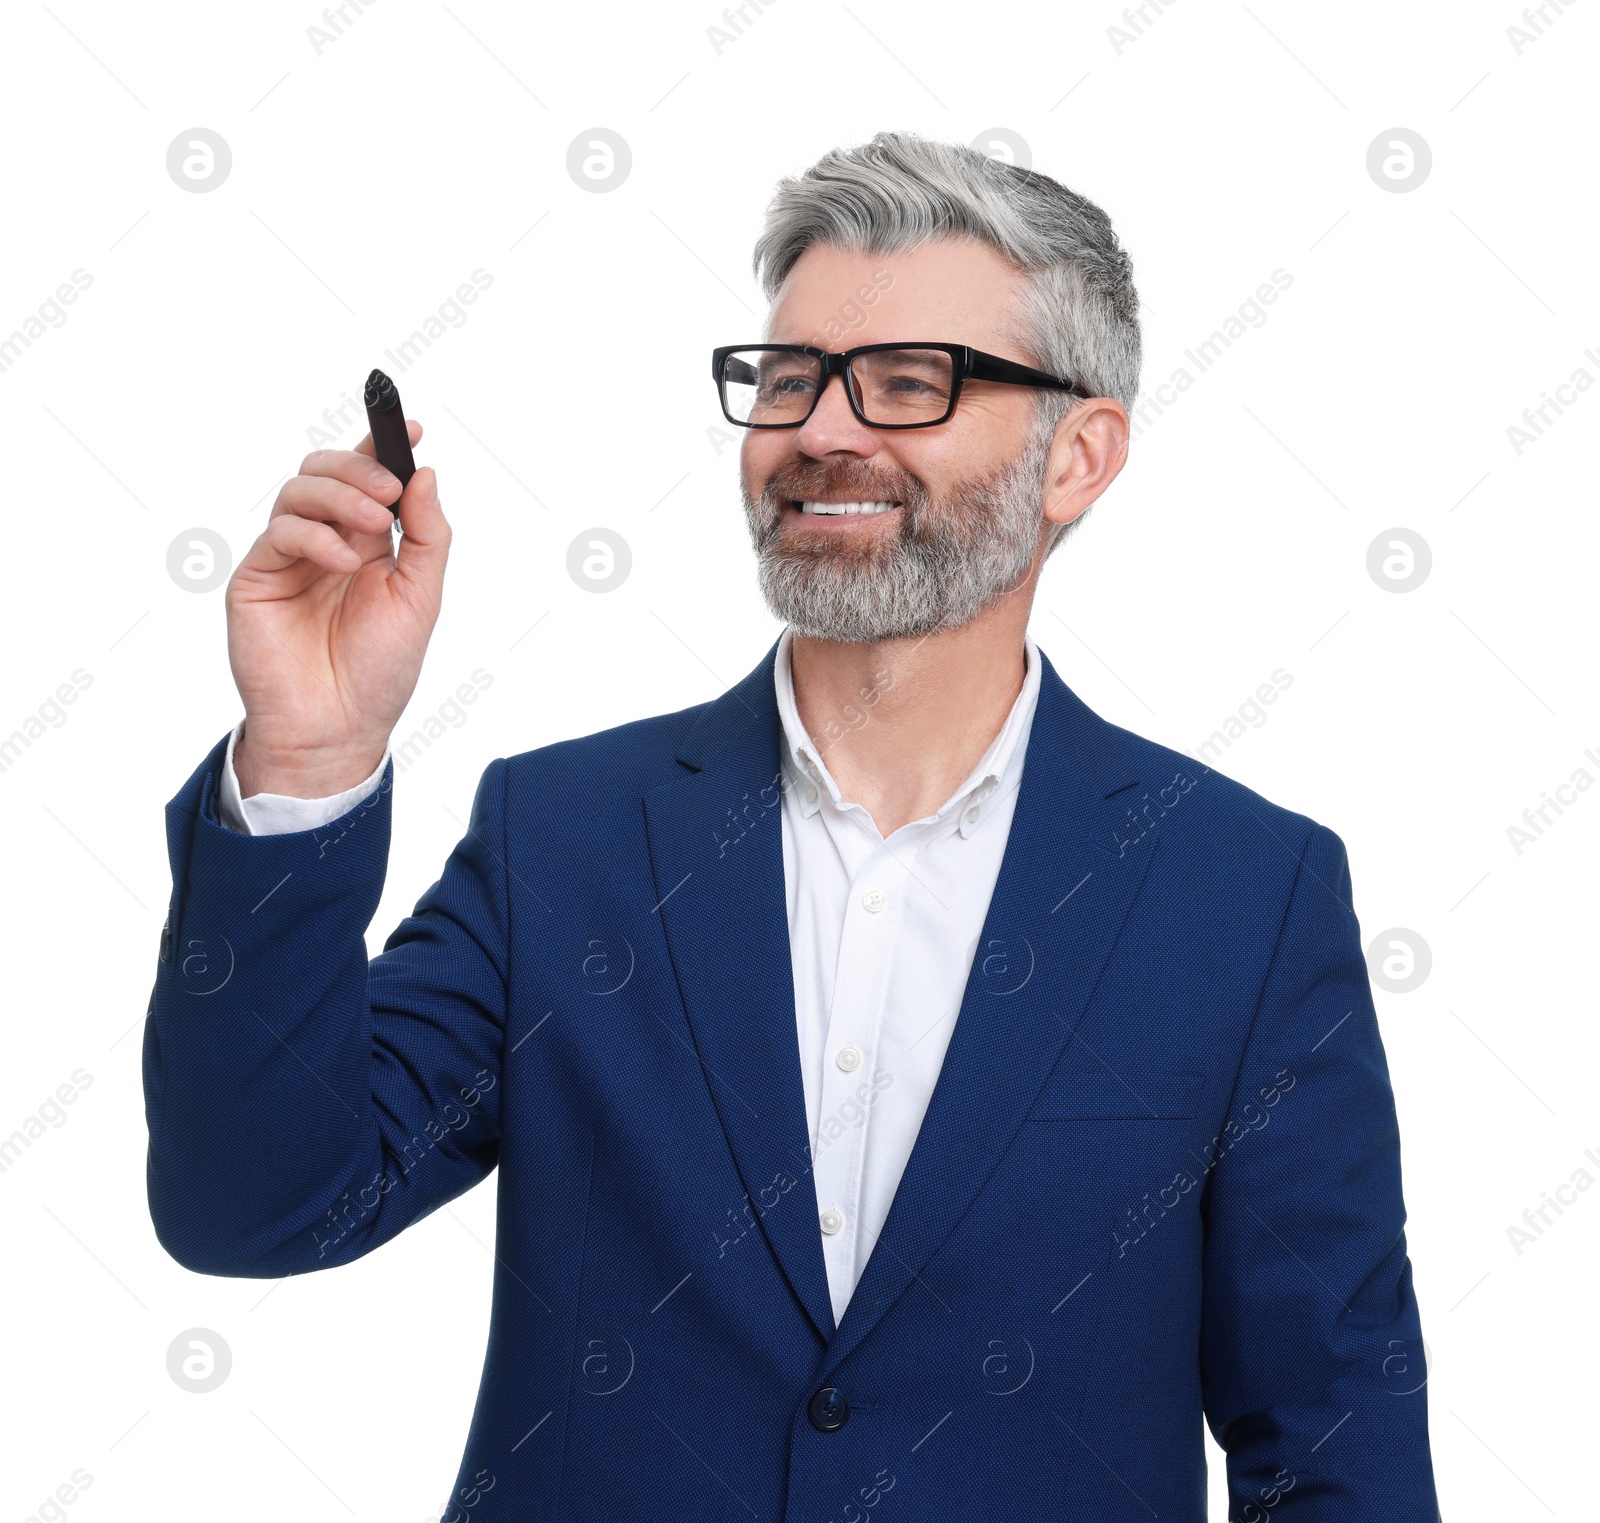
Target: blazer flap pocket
<point x="1152" y="1096"/>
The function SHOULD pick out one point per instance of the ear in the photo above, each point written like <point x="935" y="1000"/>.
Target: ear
<point x="1089" y="448"/>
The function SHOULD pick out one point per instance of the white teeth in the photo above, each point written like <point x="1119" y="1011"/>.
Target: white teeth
<point x="846" y="507"/>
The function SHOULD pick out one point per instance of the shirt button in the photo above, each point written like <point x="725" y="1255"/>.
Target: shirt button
<point x="811" y="795"/>
<point x="832" y="1221"/>
<point x="972" y="814"/>
<point x="874" y="900"/>
<point x="849" y="1059"/>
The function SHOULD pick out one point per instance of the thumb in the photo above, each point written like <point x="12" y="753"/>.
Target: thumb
<point x="425" y="536"/>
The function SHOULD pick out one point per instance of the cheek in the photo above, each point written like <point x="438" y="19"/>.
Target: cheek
<point x="759" y="455"/>
<point x="989" y="439"/>
<point x="935" y="464"/>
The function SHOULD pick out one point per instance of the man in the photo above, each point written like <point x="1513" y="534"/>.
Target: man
<point x="914" y="1096"/>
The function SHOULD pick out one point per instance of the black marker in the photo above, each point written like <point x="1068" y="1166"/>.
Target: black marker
<point x="390" y="441"/>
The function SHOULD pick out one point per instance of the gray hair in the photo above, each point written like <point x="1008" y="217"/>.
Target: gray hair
<point x="1079" y="315"/>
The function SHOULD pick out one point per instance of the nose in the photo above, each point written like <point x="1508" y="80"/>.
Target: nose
<point x="833" y="424"/>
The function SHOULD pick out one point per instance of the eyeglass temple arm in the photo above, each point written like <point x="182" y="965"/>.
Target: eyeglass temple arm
<point x="985" y="367"/>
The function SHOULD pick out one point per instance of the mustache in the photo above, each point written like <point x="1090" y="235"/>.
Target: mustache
<point x="856" y="486"/>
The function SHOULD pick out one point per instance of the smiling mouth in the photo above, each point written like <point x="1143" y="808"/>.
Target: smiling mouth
<point x="842" y="509"/>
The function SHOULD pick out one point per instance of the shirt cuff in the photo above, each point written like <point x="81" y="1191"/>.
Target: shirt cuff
<point x="275" y="814"/>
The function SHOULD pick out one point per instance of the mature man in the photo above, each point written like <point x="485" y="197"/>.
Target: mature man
<point x="914" y="1096"/>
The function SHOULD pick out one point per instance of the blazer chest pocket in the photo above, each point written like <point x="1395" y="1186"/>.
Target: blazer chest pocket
<point x="1128" y="1096"/>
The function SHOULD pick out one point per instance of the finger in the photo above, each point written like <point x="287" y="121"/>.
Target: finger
<point x="356" y="470"/>
<point x="413" y="429"/>
<point x="425" y="536"/>
<point x="288" y="539"/>
<point x="333" y="501"/>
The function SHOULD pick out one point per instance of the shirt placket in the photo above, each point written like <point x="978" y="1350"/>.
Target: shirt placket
<point x="874" y="911"/>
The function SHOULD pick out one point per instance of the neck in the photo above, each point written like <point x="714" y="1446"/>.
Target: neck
<point x="901" y="723"/>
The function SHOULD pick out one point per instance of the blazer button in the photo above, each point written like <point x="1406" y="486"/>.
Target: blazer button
<point x="828" y="1409"/>
<point x="166" y="941"/>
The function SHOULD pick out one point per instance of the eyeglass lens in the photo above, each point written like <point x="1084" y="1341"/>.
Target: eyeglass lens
<point x="889" y="385"/>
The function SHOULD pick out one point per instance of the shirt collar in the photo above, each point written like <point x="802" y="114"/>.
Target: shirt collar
<point x="996" y="773"/>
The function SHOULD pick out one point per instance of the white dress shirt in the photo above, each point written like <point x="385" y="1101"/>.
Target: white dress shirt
<point x="278" y="814"/>
<point x="882" y="935"/>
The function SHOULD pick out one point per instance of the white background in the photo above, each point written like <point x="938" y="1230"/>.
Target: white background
<point x="370" y="179"/>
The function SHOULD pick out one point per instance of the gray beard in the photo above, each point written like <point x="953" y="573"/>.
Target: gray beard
<point x="951" y="558"/>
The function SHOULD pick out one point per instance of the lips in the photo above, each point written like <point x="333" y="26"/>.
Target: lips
<point x="845" y="509"/>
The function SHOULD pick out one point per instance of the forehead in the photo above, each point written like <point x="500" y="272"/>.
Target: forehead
<point x="959" y="291"/>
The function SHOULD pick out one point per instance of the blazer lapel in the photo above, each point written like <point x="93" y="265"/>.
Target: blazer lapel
<point x="716" y="847"/>
<point x="1072" y="865"/>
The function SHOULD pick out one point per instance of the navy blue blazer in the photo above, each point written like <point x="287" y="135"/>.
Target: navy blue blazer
<point x="1158" y="1181"/>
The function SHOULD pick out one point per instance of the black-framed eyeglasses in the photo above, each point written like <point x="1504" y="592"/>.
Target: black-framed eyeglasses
<point x="897" y="385"/>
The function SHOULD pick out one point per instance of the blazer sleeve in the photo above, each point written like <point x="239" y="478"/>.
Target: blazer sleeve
<point x="1312" y="1363"/>
<point x="303" y="1103"/>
